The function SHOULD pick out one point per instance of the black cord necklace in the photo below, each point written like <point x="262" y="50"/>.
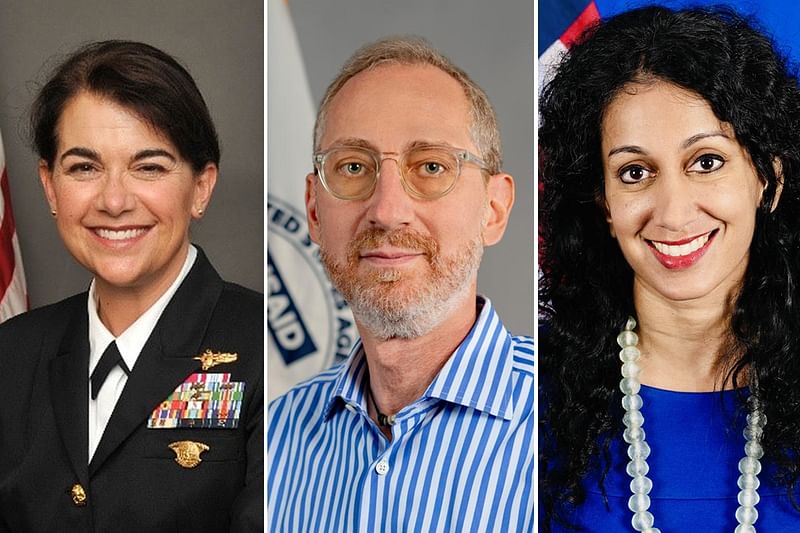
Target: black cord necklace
<point x="384" y="421"/>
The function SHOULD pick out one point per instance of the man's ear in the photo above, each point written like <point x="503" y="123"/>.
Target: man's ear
<point x="500" y="191"/>
<point x="312" y="216"/>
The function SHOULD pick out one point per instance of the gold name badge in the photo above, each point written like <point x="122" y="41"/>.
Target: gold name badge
<point x="211" y="359"/>
<point x="188" y="452"/>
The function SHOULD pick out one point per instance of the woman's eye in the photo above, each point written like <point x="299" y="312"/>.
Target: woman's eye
<point x="634" y="174"/>
<point x="707" y="163"/>
<point x="81" y="168"/>
<point x="82" y="171"/>
<point x="151" y="169"/>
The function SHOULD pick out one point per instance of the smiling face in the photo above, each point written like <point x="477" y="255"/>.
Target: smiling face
<point x="681" y="193"/>
<point x="404" y="263"/>
<point x="123" y="196"/>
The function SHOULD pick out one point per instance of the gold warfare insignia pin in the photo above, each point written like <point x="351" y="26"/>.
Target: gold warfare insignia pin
<point x="188" y="452"/>
<point x="78" y="495"/>
<point x="211" y="359"/>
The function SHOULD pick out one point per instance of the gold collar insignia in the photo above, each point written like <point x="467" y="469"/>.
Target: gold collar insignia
<point x="211" y="359"/>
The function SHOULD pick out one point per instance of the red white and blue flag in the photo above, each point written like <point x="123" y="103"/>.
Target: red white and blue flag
<point x="13" y="294"/>
<point x="561" y="22"/>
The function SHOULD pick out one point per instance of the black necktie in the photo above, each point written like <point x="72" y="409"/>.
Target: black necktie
<point x="110" y="358"/>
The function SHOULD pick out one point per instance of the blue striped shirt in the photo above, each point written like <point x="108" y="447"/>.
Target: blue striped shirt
<point x="460" y="459"/>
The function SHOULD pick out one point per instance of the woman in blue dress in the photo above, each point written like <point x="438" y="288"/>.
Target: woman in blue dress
<point x="670" y="219"/>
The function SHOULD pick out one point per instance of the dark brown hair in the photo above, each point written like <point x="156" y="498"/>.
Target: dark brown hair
<point x="139" y="77"/>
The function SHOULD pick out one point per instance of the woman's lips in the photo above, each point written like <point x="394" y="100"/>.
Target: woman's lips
<point x="683" y="253"/>
<point x="122" y="236"/>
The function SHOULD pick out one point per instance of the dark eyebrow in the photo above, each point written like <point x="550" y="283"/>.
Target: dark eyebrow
<point x="700" y="136"/>
<point x="152" y="152"/>
<point x="88" y="153"/>
<point x="80" y="152"/>
<point x="631" y="149"/>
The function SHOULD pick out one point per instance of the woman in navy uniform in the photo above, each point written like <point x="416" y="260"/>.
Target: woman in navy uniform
<point x="137" y="405"/>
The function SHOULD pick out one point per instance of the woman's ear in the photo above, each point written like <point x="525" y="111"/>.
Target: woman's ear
<point x="46" y="178"/>
<point x="603" y="204"/>
<point x="204" y="184"/>
<point x="777" y="167"/>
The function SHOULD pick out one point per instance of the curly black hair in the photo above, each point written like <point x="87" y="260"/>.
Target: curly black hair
<point x="586" y="289"/>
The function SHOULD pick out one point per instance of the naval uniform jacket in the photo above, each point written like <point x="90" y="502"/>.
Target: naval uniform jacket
<point x="133" y="482"/>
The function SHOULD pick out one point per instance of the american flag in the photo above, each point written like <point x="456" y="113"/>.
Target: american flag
<point x="560" y="22"/>
<point x="13" y="294"/>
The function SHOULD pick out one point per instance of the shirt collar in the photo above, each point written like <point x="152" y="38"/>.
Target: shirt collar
<point x="132" y="340"/>
<point x="478" y="374"/>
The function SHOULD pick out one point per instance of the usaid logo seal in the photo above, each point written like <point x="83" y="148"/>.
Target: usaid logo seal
<point x="310" y="325"/>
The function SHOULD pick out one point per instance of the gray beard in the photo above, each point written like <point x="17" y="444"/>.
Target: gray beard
<point x="405" y="314"/>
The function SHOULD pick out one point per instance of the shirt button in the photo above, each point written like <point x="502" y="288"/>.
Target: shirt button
<point x="382" y="467"/>
<point x="350" y="407"/>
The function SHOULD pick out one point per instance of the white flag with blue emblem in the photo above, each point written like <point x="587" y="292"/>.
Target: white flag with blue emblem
<point x="309" y="325"/>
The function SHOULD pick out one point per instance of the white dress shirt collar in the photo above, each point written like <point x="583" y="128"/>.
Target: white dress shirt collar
<point x="132" y="340"/>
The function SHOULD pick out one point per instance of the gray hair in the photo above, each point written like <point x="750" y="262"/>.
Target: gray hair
<point x="415" y="51"/>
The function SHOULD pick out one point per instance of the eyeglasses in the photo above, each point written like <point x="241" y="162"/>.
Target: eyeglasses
<point x="427" y="172"/>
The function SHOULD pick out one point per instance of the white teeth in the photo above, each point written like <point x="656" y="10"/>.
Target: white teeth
<point x="122" y="235"/>
<point x="683" y="249"/>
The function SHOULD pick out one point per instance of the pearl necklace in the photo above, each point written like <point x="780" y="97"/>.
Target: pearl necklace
<point x="638" y="450"/>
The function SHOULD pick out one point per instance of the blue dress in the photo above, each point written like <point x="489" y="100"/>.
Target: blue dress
<point x="696" y="441"/>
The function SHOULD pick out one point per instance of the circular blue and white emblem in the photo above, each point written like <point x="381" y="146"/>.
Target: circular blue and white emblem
<point x="310" y="326"/>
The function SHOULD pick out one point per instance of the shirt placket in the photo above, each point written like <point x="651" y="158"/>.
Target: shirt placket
<point x="384" y="463"/>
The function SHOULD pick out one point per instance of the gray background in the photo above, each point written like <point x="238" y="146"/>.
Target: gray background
<point x="493" y="43"/>
<point x="222" y="45"/>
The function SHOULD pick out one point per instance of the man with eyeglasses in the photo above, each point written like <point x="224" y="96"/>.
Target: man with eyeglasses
<point x="428" y="426"/>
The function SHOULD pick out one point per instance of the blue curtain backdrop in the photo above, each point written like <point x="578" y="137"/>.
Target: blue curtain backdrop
<point x="779" y="18"/>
